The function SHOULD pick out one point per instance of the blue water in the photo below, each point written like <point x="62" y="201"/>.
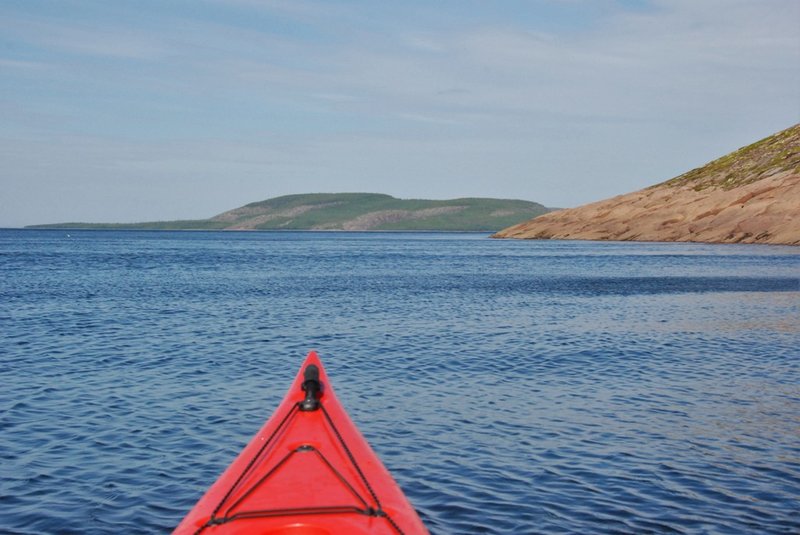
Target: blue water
<point x="510" y="386"/>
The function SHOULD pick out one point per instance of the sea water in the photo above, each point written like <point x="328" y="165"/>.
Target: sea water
<point x="509" y="386"/>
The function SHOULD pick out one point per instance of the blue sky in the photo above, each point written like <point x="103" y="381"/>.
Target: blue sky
<point x="120" y="111"/>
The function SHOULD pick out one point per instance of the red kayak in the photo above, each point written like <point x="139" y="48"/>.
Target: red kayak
<point x="308" y="471"/>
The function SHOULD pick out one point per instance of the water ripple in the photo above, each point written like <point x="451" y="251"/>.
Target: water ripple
<point x="510" y="387"/>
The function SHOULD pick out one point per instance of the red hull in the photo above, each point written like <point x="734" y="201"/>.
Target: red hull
<point x="306" y="472"/>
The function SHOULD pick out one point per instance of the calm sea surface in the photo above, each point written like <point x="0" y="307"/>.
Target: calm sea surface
<point x="510" y="386"/>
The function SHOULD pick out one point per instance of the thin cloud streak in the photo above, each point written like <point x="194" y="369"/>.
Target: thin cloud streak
<point x="88" y="40"/>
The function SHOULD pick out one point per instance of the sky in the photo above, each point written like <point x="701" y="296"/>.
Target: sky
<point x="125" y="111"/>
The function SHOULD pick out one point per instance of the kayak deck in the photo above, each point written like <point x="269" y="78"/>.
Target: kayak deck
<point x="307" y="471"/>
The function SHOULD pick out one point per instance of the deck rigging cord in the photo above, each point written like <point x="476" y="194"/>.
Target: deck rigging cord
<point x="312" y="388"/>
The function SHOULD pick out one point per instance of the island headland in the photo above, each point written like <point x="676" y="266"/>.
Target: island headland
<point x="751" y="195"/>
<point x="350" y="211"/>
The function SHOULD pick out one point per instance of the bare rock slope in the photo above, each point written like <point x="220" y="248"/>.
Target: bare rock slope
<point x="749" y="196"/>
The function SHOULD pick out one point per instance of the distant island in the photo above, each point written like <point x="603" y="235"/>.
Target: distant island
<point x="349" y="211"/>
<point x="751" y="195"/>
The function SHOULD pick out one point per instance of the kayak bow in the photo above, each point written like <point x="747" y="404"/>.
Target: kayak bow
<point x="308" y="471"/>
